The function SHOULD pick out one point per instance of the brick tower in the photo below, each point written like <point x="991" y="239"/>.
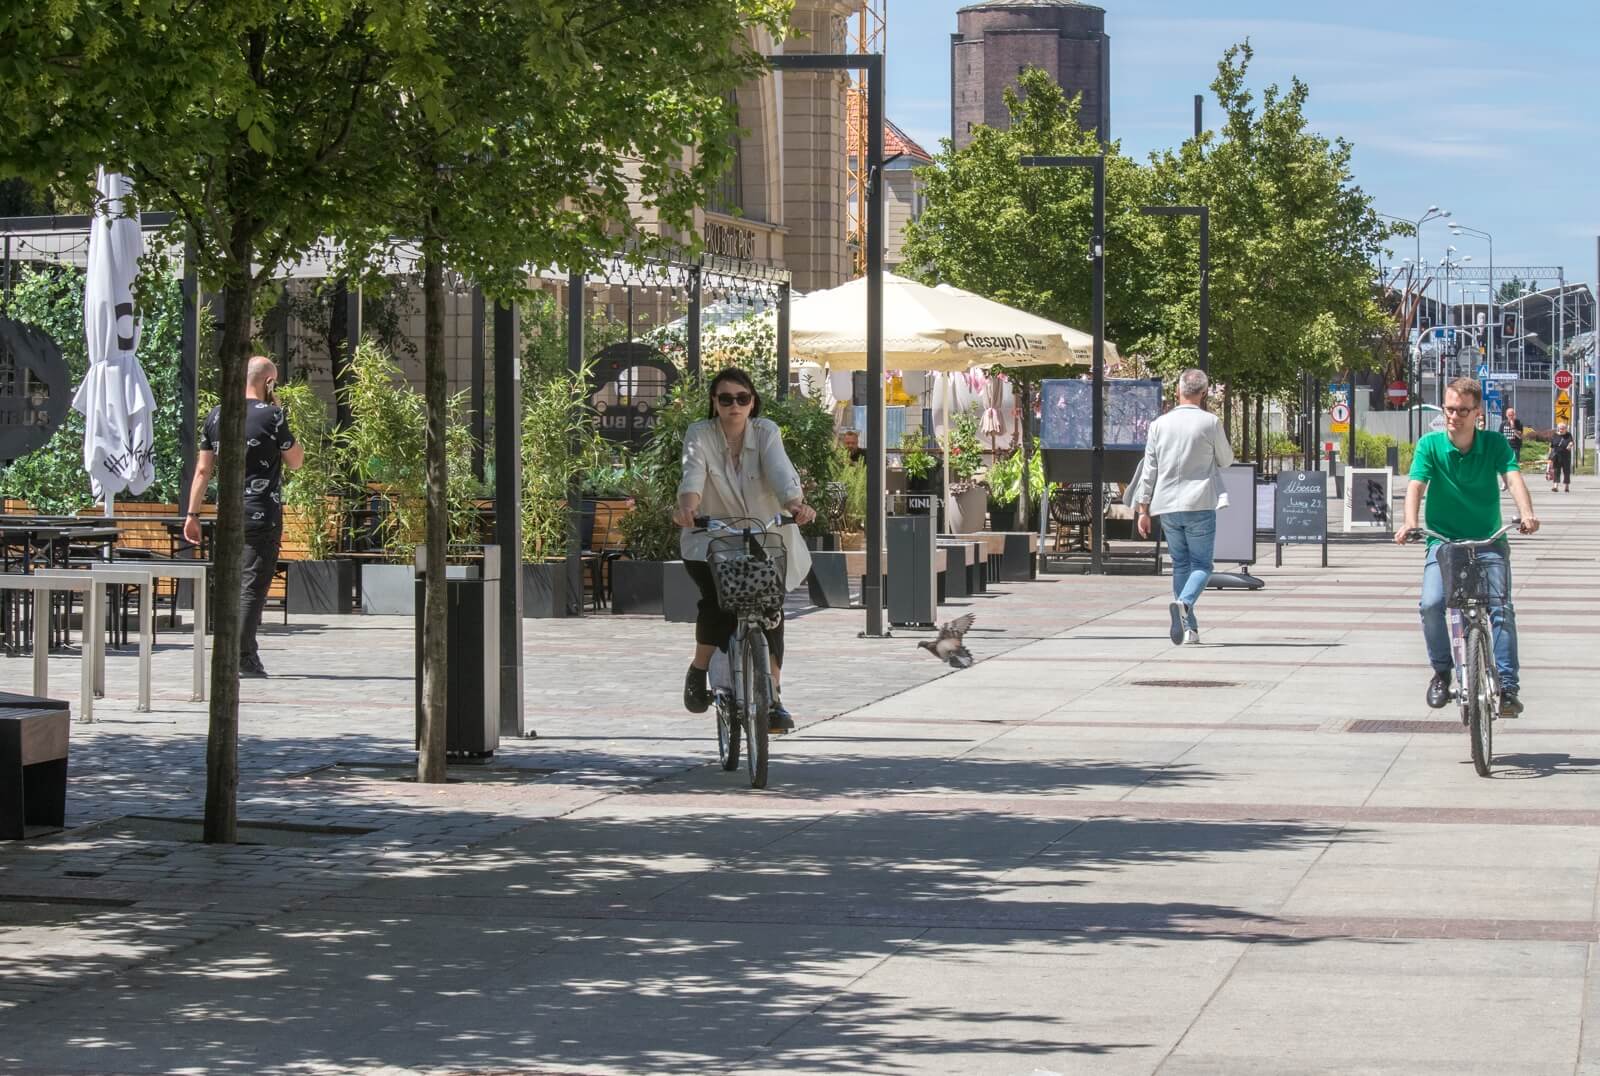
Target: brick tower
<point x="995" y="40"/>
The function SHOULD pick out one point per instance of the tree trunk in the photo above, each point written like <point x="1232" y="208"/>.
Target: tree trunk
<point x="1244" y="425"/>
<point x="435" y="657"/>
<point x="227" y="552"/>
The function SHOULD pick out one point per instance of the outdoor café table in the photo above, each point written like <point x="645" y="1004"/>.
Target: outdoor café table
<point x="195" y="572"/>
<point x="116" y="575"/>
<point x="93" y="655"/>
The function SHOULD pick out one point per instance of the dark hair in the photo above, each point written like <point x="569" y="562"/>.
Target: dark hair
<point x="738" y="377"/>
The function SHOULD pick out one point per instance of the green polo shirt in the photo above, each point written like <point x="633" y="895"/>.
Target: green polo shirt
<point x="1463" y="498"/>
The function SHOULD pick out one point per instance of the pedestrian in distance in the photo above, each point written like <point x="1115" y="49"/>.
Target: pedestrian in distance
<point x="1560" y="466"/>
<point x="1458" y="468"/>
<point x="268" y="448"/>
<point x="1180" y="480"/>
<point x="1511" y="429"/>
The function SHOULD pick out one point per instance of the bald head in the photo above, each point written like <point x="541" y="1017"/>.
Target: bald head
<point x="257" y="374"/>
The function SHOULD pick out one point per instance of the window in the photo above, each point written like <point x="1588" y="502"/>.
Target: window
<point x="727" y="196"/>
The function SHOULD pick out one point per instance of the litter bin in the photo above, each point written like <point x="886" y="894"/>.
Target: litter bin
<point x="913" y="579"/>
<point x="472" y="633"/>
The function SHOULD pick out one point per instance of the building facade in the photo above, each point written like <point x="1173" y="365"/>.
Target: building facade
<point x="995" y="41"/>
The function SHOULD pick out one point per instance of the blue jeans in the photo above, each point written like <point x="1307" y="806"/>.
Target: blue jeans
<point x="1191" y="536"/>
<point x="1503" y="618"/>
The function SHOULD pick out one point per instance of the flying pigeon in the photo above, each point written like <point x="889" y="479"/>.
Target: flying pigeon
<point x="947" y="647"/>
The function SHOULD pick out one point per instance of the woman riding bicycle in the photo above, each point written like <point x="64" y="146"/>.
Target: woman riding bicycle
<point x="734" y="467"/>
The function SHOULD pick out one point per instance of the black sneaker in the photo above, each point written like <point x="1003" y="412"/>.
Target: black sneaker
<point x="251" y="669"/>
<point x="1510" y="704"/>
<point x="1439" y="691"/>
<point x="696" y="697"/>
<point x="779" y="719"/>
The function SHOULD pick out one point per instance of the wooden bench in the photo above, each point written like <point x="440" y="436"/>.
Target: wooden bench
<point x="34" y="734"/>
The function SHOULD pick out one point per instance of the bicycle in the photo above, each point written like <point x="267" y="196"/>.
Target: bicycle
<point x="747" y="565"/>
<point x="1470" y="590"/>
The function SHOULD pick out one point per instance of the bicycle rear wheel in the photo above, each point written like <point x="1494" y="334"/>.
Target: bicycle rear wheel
<point x="1482" y="698"/>
<point x="756" y="680"/>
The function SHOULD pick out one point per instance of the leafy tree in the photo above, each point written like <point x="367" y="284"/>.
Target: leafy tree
<point x="1021" y="235"/>
<point x="1293" y="239"/>
<point x="527" y="134"/>
<point x="236" y="115"/>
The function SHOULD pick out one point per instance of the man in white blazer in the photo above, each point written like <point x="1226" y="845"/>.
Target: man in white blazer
<point x="1180" y="480"/>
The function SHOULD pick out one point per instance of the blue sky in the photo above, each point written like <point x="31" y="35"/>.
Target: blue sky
<point x="1483" y="108"/>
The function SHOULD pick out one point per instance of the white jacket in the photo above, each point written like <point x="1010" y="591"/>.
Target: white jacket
<point x="1183" y="460"/>
<point x="767" y="481"/>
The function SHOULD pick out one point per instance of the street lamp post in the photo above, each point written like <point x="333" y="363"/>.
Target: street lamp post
<point x="1097" y="254"/>
<point x="1433" y="213"/>
<point x="1489" y="342"/>
<point x="1447" y="265"/>
<point x="1204" y="213"/>
<point x="872" y="64"/>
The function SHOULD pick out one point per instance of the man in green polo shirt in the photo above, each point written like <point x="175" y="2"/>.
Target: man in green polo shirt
<point x="1459" y="468"/>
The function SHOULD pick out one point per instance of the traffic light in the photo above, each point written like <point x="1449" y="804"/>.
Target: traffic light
<point x="1508" y="326"/>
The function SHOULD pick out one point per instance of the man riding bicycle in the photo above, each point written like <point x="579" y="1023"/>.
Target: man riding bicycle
<point x="1460" y="468"/>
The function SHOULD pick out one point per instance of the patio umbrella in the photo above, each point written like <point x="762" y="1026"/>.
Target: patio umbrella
<point x="942" y="329"/>
<point x="115" y="398"/>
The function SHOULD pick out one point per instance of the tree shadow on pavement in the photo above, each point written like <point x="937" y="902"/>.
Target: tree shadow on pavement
<point x="702" y="941"/>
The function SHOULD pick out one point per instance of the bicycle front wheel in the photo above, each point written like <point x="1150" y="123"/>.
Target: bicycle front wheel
<point x="756" y="680"/>
<point x="1482" y="698"/>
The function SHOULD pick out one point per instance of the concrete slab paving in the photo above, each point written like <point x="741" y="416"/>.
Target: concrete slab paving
<point x="1072" y="858"/>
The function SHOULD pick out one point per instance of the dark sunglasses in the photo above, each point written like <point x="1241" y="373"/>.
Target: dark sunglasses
<point x="729" y="399"/>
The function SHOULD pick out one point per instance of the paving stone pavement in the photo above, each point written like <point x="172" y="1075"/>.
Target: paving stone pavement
<point x="1092" y="852"/>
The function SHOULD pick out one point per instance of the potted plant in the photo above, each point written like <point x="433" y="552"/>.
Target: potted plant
<point x="313" y="511"/>
<point x="385" y="441"/>
<point x="559" y="448"/>
<point x="650" y="577"/>
<point x="969" y="498"/>
<point x="1005" y="486"/>
<point x="917" y="462"/>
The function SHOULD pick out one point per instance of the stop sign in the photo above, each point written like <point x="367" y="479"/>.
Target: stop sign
<point x="1563" y="379"/>
<point x="1398" y="392"/>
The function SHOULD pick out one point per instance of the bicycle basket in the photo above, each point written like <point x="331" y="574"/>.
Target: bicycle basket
<point x="1470" y="579"/>
<point x="749" y="572"/>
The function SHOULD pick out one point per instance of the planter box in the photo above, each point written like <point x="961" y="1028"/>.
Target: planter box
<point x="967" y="511"/>
<point x="321" y="587"/>
<point x="545" y="591"/>
<point x="1002" y="517"/>
<point x="680" y="598"/>
<point x="636" y="586"/>
<point x="823" y="543"/>
<point x="390" y="589"/>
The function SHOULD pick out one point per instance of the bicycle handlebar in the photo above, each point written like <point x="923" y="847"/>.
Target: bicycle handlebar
<point x="1419" y="532"/>
<point x="705" y="523"/>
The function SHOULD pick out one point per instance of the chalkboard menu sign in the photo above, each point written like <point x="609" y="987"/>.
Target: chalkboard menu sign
<point x="1301" y="511"/>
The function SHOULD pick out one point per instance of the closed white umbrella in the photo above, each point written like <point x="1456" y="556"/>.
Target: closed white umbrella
<point x="115" y="397"/>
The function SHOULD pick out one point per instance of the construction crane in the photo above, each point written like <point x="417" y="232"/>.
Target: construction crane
<point x="865" y="32"/>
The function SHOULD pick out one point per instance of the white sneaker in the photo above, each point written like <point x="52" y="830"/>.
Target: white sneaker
<point x="1191" y="637"/>
<point x="1180" y="616"/>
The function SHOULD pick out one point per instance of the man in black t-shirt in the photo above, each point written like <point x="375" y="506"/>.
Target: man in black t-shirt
<point x="269" y="447"/>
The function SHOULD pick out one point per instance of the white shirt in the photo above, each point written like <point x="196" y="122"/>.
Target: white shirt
<point x="1183" y="460"/>
<point x="764" y="482"/>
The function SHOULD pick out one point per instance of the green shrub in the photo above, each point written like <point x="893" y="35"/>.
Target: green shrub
<point x="1005" y="477"/>
<point x="52" y="478"/>
<point x="386" y="442"/>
